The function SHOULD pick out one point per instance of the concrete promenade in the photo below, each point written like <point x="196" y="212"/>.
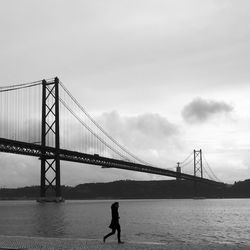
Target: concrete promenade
<point x="35" y="243"/>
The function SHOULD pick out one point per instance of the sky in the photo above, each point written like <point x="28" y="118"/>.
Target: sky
<point x="162" y="77"/>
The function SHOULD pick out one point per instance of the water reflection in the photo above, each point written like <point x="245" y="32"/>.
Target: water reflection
<point x="49" y="220"/>
<point x="29" y="218"/>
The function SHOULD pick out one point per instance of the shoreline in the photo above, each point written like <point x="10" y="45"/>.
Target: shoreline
<point x="114" y="199"/>
<point x="44" y="243"/>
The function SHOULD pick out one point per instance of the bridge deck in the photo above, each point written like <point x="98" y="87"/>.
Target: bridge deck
<point x="17" y="147"/>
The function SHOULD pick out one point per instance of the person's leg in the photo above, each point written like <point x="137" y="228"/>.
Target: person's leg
<point x="106" y="236"/>
<point x="119" y="234"/>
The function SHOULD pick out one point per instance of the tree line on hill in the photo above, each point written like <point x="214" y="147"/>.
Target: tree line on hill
<point x="128" y="189"/>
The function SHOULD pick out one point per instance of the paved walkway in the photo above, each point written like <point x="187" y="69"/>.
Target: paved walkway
<point x="36" y="243"/>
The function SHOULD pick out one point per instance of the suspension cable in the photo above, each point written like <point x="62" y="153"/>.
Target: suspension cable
<point x="212" y="172"/>
<point x="100" y="128"/>
<point x="186" y="158"/>
<point x="187" y="163"/>
<point x="209" y="176"/>
<point x="91" y="131"/>
<point x="19" y="86"/>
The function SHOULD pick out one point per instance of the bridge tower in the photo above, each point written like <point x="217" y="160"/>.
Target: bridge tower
<point x="50" y="187"/>
<point x="198" y="170"/>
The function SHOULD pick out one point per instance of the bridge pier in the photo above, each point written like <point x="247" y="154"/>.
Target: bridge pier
<point x="50" y="186"/>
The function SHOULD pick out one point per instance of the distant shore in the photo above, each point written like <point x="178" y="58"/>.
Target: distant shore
<point x="128" y="189"/>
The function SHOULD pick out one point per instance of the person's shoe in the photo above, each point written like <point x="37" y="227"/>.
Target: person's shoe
<point x="120" y="242"/>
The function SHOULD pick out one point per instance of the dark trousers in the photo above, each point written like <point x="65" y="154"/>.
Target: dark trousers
<point x="118" y="228"/>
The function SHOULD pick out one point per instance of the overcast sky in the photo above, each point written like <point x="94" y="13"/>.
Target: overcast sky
<point x="164" y="77"/>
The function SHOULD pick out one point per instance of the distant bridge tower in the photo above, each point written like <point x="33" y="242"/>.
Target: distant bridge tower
<point x="50" y="164"/>
<point x="198" y="171"/>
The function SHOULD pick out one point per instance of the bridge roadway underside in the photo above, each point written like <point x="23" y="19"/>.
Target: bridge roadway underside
<point x="30" y="149"/>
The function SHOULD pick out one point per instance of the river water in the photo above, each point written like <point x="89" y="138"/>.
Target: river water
<point x="196" y="221"/>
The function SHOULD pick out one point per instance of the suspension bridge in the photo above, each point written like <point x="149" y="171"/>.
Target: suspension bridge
<point x="44" y="120"/>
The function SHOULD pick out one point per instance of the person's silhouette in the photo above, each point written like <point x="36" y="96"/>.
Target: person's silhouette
<point x="114" y="225"/>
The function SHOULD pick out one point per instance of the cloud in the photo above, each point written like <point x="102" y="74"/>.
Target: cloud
<point x="150" y="124"/>
<point x="153" y="125"/>
<point x="200" y="110"/>
<point x="135" y="130"/>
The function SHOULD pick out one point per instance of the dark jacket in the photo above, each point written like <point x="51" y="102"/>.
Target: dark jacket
<point x="115" y="218"/>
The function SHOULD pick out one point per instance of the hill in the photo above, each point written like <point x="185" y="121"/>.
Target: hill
<point x="128" y="189"/>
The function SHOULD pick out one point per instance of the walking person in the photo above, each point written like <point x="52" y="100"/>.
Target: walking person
<point x="114" y="225"/>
